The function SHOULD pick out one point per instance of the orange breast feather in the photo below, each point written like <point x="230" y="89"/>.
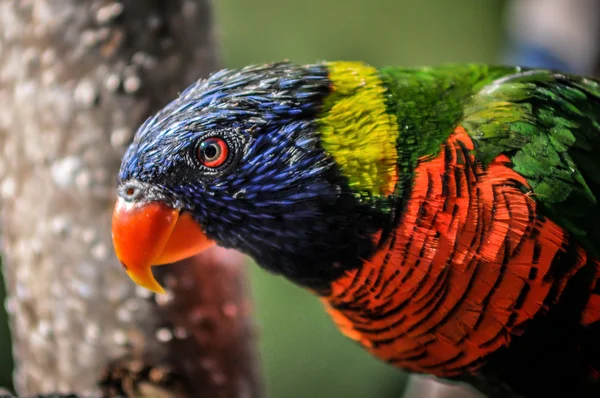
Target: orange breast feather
<point x="467" y="265"/>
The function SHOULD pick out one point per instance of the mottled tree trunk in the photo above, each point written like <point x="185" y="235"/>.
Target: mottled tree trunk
<point x="76" y="79"/>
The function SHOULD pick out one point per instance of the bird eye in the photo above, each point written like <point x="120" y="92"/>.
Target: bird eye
<point x="213" y="152"/>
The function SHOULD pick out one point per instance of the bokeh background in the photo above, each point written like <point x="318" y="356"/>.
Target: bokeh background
<point x="302" y="353"/>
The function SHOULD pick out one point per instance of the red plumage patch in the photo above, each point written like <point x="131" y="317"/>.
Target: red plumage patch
<point x="467" y="265"/>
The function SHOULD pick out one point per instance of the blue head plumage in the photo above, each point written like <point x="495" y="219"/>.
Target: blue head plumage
<point x="279" y="196"/>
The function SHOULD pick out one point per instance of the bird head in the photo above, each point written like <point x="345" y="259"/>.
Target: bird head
<point x="256" y="159"/>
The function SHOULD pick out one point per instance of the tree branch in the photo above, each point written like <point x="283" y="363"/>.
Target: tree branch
<point x="76" y="79"/>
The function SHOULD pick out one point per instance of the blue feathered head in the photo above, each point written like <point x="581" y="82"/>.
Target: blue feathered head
<point x="239" y="154"/>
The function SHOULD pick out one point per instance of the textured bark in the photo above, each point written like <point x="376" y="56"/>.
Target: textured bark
<point x="76" y="79"/>
<point x="209" y="315"/>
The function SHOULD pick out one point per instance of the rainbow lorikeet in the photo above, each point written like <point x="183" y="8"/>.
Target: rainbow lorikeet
<point x="447" y="216"/>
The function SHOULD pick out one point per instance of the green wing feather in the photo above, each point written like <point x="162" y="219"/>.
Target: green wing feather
<point x="428" y="103"/>
<point x="548" y="123"/>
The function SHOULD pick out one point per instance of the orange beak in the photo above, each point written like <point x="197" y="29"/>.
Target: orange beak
<point x="151" y="234"/>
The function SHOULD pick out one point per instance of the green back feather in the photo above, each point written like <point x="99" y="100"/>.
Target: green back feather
<point x="428" y="104"/>
<point x="549" y="125"/>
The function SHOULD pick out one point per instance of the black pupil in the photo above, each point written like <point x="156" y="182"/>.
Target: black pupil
<point x="211" y="151"/>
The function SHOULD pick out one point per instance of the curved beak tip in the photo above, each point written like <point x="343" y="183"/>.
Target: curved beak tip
<point x="146" y="280"/>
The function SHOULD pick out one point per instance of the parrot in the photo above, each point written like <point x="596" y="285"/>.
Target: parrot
<point x="446" y="216"/>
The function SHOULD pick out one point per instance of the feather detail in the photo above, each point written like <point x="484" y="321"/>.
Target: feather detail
<point x="469" y="263"/>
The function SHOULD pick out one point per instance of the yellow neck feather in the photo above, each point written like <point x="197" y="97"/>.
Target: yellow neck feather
<point x="357" y="130"/>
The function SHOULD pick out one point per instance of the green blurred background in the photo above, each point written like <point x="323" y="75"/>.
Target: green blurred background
<point x="303" y="355"/>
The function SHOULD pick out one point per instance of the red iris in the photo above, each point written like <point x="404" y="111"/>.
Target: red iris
<point x="213" y="152"/>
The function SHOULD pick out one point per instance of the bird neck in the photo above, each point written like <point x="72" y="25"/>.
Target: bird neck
<point x="358" y="131"/>
<point x="378" y="124"/>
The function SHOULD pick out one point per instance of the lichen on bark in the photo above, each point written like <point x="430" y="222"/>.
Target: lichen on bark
<point x="76" y="79"/>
